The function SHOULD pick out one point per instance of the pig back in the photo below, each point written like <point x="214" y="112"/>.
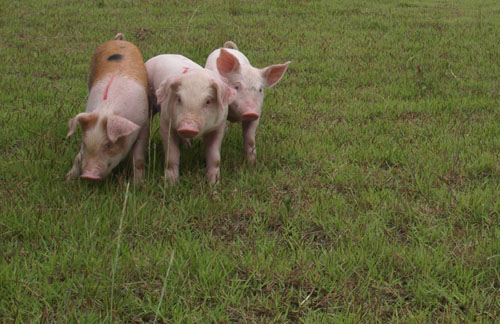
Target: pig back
<point x="117" y="57"/>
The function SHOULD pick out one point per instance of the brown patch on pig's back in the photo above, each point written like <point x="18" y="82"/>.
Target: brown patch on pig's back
<point x="117" y="57"/>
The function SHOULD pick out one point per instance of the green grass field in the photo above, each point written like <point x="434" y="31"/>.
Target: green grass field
<point x="375" y="198"/>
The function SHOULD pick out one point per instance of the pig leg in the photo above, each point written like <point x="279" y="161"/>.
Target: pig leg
<point x="170" y="142"/>
<point x="249" y="129"/>
<point x="213" y="142"/>
<point x="76" y="170"/>
<point x="139" y="152"/>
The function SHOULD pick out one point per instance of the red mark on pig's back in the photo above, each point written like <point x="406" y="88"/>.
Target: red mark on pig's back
<point x="185" y="70"/>
<point x="107" y="88"/>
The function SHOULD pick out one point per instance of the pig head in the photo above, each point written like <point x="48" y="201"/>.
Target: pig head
<point x="106" y="141"/>
<point x="249" y="83"/>
<point x="195" y="103"/>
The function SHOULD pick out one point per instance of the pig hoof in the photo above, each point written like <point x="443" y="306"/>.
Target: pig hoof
<point x="167" y="182"/>
<point x="251" y="154"/>
<point x="170" y="179"/>
<point x="138" y="176"/>
<point x="252" y="159"/>
<point x="213" y="178"/>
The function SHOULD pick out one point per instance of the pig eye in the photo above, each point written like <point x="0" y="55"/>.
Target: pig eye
<point x="236" y="88"/>
<point x="208" y="102"/>
<point x="260" y="90"/>
<point x="179" y="100"/>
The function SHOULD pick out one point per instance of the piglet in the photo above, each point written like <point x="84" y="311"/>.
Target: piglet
<point x="116" y="117"/>
<point x="193" y="102"/>
<point x="249" y="83"/>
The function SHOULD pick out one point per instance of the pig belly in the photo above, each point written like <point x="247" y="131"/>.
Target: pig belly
<point x="120" y="95"/>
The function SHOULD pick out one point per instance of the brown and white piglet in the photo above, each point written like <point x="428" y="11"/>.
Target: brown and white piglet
<point x="194" y="102"/>
<point x="249" y="83"/>
<point x="115" y="120"/>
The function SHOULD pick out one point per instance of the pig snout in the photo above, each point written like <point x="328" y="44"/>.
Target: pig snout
<point x="188" y="129"/>
<point x="246" y="110"/>
<point x="249" y="112"/>
<point x="249" y="116"/>
<point x="92" y="173"/>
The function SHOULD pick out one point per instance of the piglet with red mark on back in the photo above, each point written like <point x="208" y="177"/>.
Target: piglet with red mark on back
<point x="249" y="83"/>
<point x="116" y="117"/>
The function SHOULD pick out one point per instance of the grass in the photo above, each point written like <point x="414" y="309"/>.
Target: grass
<point x="375" y="198"/>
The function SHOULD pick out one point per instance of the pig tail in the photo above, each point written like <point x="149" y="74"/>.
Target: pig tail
<point x="119" y="36"/>
<point x="230" y="43"/>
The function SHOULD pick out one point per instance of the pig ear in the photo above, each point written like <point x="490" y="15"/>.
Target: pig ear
<point x="227" y="63"/>
<point x="86" y="120"/>
<point x="166" y="88"/>
<point x="225" y="94"/>
<point x="72" y="126"/>
<point x="118" y="127"/>
<point x="272" y="74"/>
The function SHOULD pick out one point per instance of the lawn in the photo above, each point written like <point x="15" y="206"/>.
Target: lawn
<point x="375" y="198"/>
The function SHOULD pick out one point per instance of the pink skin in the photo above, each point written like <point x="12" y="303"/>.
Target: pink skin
<point x="99" y="153"/>
<point x="249" y="83"/>
<point x="213" y="142"/>
<point x="249" y="116"/>
<point x="139" y="152"/>
<point x="91" y="174"/>
<point x="172" y="152"/>
<point x="188" y="129"/>
<point x="91" y="177"/>
<point x="188" y="133"/>
<point x="97" y="170"/>
<point x="115" y="123"/>
<point x="193" y="103"/>
<point x="115" y="120"/>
